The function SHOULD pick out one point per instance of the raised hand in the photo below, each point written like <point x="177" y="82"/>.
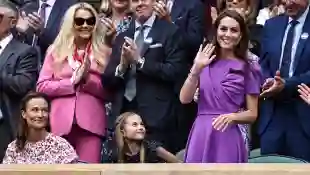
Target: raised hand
<point x="276" y="87"/>
<point x="304" y="93"/>
<point x="161" y="10"/>
<point x="204" y="57"/>
<point x="111" y="28"/>
<point x="36" y="22"/>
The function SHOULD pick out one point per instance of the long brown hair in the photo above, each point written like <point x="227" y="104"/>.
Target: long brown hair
<point x="241" y="49"/>
<point x="22" y="132"/>
<point x="122" y="146"/>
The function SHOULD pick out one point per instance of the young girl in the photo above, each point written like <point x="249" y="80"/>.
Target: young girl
<point x="133" y="147"/>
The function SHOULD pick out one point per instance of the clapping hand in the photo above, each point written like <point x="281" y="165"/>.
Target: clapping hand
<point x="161" y="10"/>
<point x="204" y="57"/>
<point x="36" y="22"/>
<point x="304" y="92"/>
<point x="82" y="72"/>
<point x="130" y="50"/>
<point x="22" y="23"/>
<point x="111" y="29"/>
<point x="276" y="87"/>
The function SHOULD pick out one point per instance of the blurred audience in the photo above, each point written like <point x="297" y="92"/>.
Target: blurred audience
<point x="18" y="73"/>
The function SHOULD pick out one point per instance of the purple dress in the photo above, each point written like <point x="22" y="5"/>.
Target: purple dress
<point x="223" y="86"/>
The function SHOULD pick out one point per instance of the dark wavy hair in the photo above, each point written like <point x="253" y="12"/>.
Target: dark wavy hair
<point x="22" y="132"/>
<point x="242" y="47"/>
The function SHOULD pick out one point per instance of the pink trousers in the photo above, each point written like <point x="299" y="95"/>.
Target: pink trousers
<point x="86" y="144"/>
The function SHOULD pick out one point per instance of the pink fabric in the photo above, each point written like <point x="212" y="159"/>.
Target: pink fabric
<point x="85" y="102"/>
<point x="87" y="145"/>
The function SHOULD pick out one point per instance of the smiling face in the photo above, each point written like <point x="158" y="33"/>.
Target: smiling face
<point x="143" y="9"/>
<point x="228" y="33"/>
<point x="36" y="113"/>
<point x="133" y="128"/>
<point x="237" y="4"/>
<point x="84" y="23"/>
<point x="119" y="4"/>
<point x="294" y="8"/>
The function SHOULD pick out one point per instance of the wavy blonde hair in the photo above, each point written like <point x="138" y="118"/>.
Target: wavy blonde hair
<point x="121" y="140"/>
<point x="63" y="45"/>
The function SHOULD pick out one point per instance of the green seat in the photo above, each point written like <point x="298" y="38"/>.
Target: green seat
<point x="255" y="153"/>
<point x="275" y="159"/>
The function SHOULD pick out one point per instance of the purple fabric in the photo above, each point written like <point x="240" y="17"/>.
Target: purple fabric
<point x="223" y="86"/>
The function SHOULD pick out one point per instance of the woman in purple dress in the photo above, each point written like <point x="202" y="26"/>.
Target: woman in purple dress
<point x="227" y="83"/>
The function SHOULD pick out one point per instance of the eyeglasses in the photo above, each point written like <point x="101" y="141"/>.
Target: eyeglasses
<point x="81" y="21"/>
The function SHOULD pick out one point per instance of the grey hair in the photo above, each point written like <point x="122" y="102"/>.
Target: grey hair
<point x="11" y="6"/>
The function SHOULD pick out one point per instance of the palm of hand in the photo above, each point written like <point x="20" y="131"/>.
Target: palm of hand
<point x="202" y="59"/>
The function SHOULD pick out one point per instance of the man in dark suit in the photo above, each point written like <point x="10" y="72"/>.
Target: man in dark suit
<point x="143" y="72"/>
<point x="18" y="73"/>
<point x="284" y="122"/>
<point x="44" y="18"/>
<point x="190" y="18"/>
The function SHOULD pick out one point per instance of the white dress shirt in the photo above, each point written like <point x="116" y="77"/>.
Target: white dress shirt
<point x="298" y="33"/>
<point x="3" y="43"/>
<point x="48" y="9"/>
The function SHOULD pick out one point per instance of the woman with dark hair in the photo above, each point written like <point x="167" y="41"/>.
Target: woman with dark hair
<point x="34" y="144"/>
<point x="227" y="83"/>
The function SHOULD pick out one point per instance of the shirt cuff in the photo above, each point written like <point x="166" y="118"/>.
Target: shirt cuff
<point x="140" y="63"/>
<point x="118" y="73"/>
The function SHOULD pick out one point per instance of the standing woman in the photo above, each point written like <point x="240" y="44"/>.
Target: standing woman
<point x="226" y="84"/>
<point x="70" y="76"/>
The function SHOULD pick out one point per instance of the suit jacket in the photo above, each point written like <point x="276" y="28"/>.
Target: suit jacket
<point x="190" y="18"/>
<point x="84" y="103"/>
<point x="53" y="24"/>
<point x="155" y="82"/>
<point x="18" y="74"/>
<point x="270" y="58"/>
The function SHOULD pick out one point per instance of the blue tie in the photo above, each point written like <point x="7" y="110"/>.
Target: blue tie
<point x="287" y="52"/>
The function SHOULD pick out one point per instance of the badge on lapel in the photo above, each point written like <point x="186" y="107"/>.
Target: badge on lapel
<point x="304" y="36"/>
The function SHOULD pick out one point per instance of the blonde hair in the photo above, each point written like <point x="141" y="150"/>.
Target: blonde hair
<point x="120" y="140"/>
<point x="63" y="45"/>
<point x="106" y="7"/>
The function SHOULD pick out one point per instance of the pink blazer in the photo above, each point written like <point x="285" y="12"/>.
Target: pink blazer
<point x="85" y="102"/>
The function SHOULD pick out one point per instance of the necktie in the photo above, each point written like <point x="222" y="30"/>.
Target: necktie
<point x="287" y="52"/>
<point x="42" y="14"/>
<point x="130" y="91"/>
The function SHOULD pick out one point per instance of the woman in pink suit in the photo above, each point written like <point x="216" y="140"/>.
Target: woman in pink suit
<point x="71" y="77"/>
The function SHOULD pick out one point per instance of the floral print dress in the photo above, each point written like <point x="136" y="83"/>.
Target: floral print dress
<point x="52" y="150"/>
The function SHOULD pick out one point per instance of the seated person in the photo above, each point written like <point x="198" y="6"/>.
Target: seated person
<point x="133" y="147"/>
<point x="34" y="144"/>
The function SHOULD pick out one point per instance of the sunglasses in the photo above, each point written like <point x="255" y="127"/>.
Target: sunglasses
<point x="81" y="21"/>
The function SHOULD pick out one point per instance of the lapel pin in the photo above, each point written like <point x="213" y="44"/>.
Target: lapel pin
<point x="304" y="36"/>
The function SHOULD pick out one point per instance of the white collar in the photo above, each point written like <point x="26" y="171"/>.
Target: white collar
<point x="5" y="41"/>
<point x="49" y="2"/>
<point x="149" y="22"/>
<point x="302" y="18"/>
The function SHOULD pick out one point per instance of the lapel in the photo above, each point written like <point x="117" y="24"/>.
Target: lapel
<point x="278" y="39"/>
<point x="302" y="41"/>
<point x="151" y="35"/>
<point x="176" y="9"/>
<point x="56" y="11"/>
<point x="7" y="53"/>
